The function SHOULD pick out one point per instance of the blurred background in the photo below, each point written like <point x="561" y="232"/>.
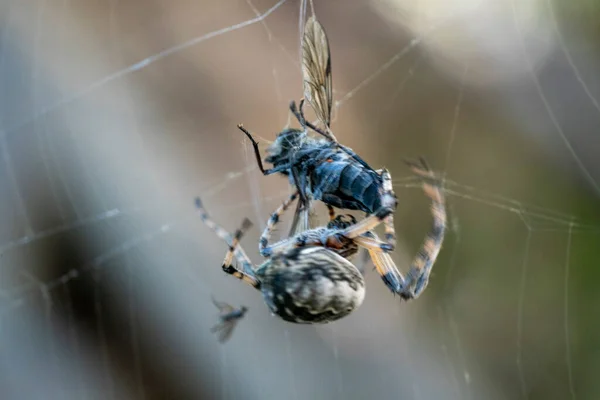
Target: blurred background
<point x="115" y="114"/>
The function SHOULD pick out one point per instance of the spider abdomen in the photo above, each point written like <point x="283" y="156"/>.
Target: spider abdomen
<point x="311" y="285"/>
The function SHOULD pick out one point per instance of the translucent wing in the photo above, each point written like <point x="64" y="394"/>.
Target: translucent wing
<point x="224" y="329"/>
<point x="316" y="70"/>
<point x="224" y="308"/>
<point x="304" y="219"/>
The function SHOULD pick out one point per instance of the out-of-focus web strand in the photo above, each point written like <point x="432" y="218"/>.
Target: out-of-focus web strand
<point x="134" y="68"/>
<point x="554" y="218"/>
<point x="547" y="105"/>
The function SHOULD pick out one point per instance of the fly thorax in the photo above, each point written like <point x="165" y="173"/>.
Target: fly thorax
<point x="284" y="146"/>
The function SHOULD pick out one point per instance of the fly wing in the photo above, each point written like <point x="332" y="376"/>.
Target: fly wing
<point x="224" y="308"/>
<point x="316" y="70"/>
<point x="226" y="332"/>
<point x="224" y="329"/>
<point x="304" y="219"/>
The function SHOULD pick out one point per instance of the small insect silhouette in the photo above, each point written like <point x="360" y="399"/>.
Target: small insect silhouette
<point x="229" y="316"/>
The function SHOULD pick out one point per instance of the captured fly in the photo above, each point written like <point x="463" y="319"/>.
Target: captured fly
<point x="322" y="169"/>
<point x="228" y="319"/>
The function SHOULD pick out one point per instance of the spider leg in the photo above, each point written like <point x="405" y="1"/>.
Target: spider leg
<point x="257" y="153"/>
<point x="331" y="212"/>
<point x="367" y="225"/>
<point x="301" y="240"/>
<point x="247" y="272"/>
<point x="314" y="237"/>
<point x="420" y="268"/>
<point x="371" y="242"/>
<point x="389" y="199"/>
<point x="263" y="244"/>
<point x="385" y="266"/>
<point x="246" y="263"/>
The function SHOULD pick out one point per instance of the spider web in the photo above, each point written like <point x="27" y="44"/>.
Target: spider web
<point x="115" y="115"/>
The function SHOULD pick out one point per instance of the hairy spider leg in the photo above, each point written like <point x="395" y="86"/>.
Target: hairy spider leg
<point x="263" y="243"/>
<point x="390" y="233"/>
<point x="389" y="199"/>
<point x="384" y="265"/>
<point x="420" y="268"/>
<point x="418" y="276"/>
<point x="223" y="234"/>
<point x="331" y="211"/>
<point x="330" y="238"/>
<point x="247" y="272"/>
<point x="227" y="261"/>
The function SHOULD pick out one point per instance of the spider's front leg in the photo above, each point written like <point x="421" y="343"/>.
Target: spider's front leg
<point x="390" y="201"/>
<point x="263" y="243"/>
<point x="411" y="286"/>
<point x="384" y="265"/>
<point x="420" y="269"/>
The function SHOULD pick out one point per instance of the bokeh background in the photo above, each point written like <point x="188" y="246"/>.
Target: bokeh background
<point x="116" y="114"/>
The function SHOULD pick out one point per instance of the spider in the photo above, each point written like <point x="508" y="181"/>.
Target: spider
<point x="305" y="285"/>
